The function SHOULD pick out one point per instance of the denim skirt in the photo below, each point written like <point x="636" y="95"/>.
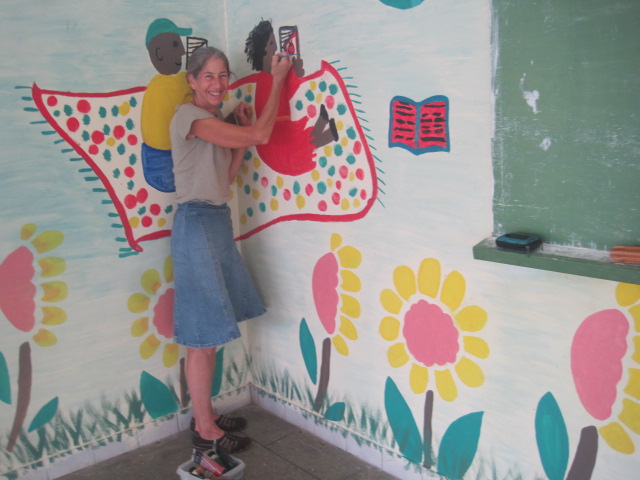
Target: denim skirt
<point x="213" y="289"/>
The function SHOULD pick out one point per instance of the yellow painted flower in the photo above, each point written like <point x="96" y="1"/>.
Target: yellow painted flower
<point x="155" y="303"/>
<point x="333" y="282"/>
<point x="431" y="330"/>
<point x="18" y="290"/>
<point x="598" y="352"/>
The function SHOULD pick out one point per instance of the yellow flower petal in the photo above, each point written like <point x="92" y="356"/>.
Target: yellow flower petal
<point x="350" y="306"/>
<point x="429" y="277"/>
<point x="627" y="294"/>
<point x="335" y="242"/>
<point x="405" y="282"/>
<point x="446" y="385"/>
<point x="168" y="269"/>
<point x="397" y="355"/>
<point x="45" y="338"/>
<point x="347" y="328"/>
<point x="617" y="438"/>
<point x="27" y="231"/>
<point x="453" y="289"/>
<point x="633" y="385"/>
<point x="47" y="241"/>
<point x="476" y="346"/>
<point x="390" y="301"/>
<point x="630" y="415"/>
<point x="350" y="281"/>
<point x="140" y="327"/>
<point x="54" y="291"/>
<point x="418" y="378"/>
<point x="150" y="281"/>
<point x="636" y="352"/>
<point x="635" y="313"/>
<point x="149" y="346"/>
<point x="469" y="373"/>
<point x="138" y="303"/>
<point x="471" y="318"/>
<point x="340" y="345"/>
<point x="350" y="257"/>
<point x="51" y="266"/>
<point x="389" y="328"/>
<point x="52" y="315"/>
<point x="171" y="354"/>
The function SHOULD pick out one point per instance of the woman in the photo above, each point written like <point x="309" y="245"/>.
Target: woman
<point x="213" y="289"/>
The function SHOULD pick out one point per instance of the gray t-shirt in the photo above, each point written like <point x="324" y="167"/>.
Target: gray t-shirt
<point x="201" y="169"/>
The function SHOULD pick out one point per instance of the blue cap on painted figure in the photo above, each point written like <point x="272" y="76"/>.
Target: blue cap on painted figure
<point x="164" y="25"/>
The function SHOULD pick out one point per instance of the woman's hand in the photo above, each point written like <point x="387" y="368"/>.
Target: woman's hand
<point x="244" y="114"/>
<point x="280" y="66"/>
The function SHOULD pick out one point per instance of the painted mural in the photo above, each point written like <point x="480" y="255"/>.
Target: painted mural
<point x="381" y="332"/>
<point x="123" y="137"/>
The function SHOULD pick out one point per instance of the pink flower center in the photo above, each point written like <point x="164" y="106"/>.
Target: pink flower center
<point x="324" y="283"/>
<point x="431" y="336"/>
<point x="163" y="314"/>
<point x="17" y="290"/>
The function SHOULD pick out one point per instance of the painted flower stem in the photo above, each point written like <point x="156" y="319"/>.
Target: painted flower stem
<point x="427" y="429"/>
<point x="24" y="393"/>
<point x="585" y="459"/>
<point x="325" y="366"/>
<point x="184" y="396"/>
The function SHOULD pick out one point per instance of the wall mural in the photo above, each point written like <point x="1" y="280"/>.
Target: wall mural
<point x="318" y="167"/>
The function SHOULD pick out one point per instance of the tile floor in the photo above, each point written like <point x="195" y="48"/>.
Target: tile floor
<point x="280" y="451"/>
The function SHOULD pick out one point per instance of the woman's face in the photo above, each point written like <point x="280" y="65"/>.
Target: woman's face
<point x="270" y="50"/>
<point x="211" y="84"/>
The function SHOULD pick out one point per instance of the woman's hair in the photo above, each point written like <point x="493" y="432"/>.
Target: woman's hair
<point x="200" y="56"/>
<point x="255" y="46"/>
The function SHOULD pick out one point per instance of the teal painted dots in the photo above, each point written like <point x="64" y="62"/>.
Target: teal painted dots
<point x="332" y="171"/>
<point x="85" y="136"/>
<point x="248" y="98"/>
<point x="133" y="159"/>
<point x="351" y="133"/>
<point x="247" y="189"/>
<point x="296" y="188"/>
<point x="86" y="119"/>
<point x="323" y="86"/>
<point x="256" y="176"/>
<point x="133" y="102"/>
<point x="238" y="94"/>
<point x="337" y="150"/>
<point x="351" y="159"/>
<point x="130" y="185"/>
<point x="102" y="112"/>
<point x="247" y="155"/>
<point x="322" y="161"/>
<point x="342" y="109"/>
<point x="56" y="113"/>
<point x="353" y="192"/>
<point x="250" y="212"/>
<point x="107" y="155"/>
<point x="262" y="207"/>
<point x="310" y="95"/>
<point x="333" y="89"/>
<point x="299" y="105"/>
<point x="68" y="111"/>
<point x="274" y="190"/>
<point x="322" y="188"/>
<point x="121" y="149"/>
<point x="116" y="173"/>
<point x="129" y="124"/>
<point x="115" y="111"/>
<point x="106" y="129"/>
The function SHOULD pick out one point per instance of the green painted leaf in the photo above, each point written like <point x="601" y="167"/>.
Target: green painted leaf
<point x="45" y="415"/>
<point x="308" y="349"/>
<point x="459" y="446"/>
<point x="157" y="399"/>
<point x="5" y="382"/>
<point x="335" y="412"/>
<point x="216" y="384"/>
<point x="552" y="437"/>
<point x="402" y="422"/>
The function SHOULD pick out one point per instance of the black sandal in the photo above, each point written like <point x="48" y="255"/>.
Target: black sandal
<point x="229" y="442"/>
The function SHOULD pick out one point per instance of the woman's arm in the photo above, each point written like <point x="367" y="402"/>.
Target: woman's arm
<point x="227" y="135"/>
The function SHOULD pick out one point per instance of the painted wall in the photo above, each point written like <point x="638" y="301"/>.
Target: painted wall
<point x="383" y="334"/>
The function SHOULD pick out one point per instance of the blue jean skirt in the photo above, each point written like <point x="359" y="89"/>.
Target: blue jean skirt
<point x="213" y="289"/>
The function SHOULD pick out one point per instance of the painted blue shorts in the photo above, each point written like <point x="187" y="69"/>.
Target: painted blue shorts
<point x="213" y="289"/>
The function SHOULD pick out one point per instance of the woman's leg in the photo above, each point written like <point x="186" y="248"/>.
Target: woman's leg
<point x="201" y="363"/>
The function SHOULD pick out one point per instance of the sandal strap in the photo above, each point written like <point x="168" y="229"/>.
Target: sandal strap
<point x="231" y="424"/>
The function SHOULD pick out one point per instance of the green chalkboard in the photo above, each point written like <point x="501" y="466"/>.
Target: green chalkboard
<point x="567" y="120"/>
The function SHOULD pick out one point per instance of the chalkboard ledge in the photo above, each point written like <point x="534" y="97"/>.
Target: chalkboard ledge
<point x="555" y="258"/>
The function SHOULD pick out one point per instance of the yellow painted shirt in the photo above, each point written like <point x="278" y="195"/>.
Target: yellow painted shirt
<point x="164" y="93"/>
